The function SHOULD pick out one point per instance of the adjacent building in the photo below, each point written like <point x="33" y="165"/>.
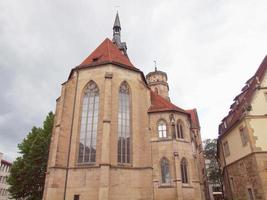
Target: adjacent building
<point x="242" y="142"/>
<point x="4" y="172"/>
<point x="118" y="136"/>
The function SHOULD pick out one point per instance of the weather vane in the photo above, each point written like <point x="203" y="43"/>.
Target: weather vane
<point x="117" y="7"/>
<point x="155" y="65"/>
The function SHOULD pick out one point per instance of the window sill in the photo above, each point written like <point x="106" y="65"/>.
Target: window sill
<point x="181" y="140"/>
<point x="86" y="164"/>
<point x="186" y="185"/>
<point x="164" y="139"/>
<point x="167" y="185"/>
<point x="244" y="144"/>
<point x="125" y="165"/>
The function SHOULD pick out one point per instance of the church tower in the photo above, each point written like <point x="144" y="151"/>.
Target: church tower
<point x="117" y="35"/>
<point x="157" y="81"/>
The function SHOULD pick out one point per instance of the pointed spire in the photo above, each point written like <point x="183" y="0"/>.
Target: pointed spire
<point x="117" y="22"/>
<point x="117" y="35"/>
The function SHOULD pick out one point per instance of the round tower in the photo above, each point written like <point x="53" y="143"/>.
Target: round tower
<point x="157" y="81"/>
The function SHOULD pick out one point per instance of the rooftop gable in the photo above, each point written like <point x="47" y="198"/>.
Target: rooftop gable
<point x="194" y="118"/>
<point x="106" y="52"/>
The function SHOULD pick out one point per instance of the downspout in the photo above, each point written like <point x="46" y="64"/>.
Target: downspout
<point x="151" y="156"/>
<point x="71" y="131"/>
<point x="175" y="155"/>
<point x="150" y="132"/>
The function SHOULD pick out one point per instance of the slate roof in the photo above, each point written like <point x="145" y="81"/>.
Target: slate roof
<point x="117" y="21"/>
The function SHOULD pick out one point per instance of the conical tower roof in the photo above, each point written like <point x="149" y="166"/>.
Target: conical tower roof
<point x="117" y="21"/>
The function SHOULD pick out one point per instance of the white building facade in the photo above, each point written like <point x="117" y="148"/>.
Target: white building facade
<point x="4" y="172"/>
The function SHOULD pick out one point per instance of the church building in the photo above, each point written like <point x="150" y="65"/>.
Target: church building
<point x="118" y="136"/>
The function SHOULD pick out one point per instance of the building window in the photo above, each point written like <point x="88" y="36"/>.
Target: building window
<point x="76" y="197"/>
<point x="265" y="94"/>
<point x="226" y="148"/>
<point x="89" y="120"/>
<point x="180" y="130"/>
<point x="232" y="184"/>
<point x="162" y="129"/>
<point x="250" y="194"/>
<point x="124" y="126"/>
<point x="156" y="90"/>
<point x="184" y="171"/>
<point x="173" y="131"/>
<point x="243" y="136"/>
<point x="165" y="171"/>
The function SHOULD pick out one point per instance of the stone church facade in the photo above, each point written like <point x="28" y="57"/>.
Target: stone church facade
<point x="117" y="135"/>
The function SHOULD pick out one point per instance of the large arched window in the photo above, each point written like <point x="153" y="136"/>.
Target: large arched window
<point x="89" y="120"/>
<point x="124" y="126"/>
<point x="162" y="129"/>
<point x="180" y="130"/>
<point x="165" y="171"/>
<point x="184" y="173"/>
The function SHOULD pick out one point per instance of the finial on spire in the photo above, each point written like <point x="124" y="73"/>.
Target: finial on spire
<point x="155" y="64"/>
<point x="117" y="35"/>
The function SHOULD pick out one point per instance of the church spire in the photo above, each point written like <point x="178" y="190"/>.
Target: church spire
<point x="117" y="35"/>
<point x="117" y="23"/>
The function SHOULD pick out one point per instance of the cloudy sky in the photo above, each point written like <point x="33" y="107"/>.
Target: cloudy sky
<point x="209" y="48"/>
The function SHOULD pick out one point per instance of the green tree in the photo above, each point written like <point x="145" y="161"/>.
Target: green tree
<point x="213" y="169"/>
<point x="27" y="174"/>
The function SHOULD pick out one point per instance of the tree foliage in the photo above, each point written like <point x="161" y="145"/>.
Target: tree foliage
<point x="27" y="174"/>
<point x="210" y="153"/>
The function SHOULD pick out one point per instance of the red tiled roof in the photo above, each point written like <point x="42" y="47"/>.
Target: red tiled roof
<point x="106" y="52"/>
<point x="194" y="118"/>
<point x="159" y="104"/>
<point x="243" y="100"/>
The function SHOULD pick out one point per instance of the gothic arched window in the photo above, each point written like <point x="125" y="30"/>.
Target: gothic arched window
<point x="165" y="171"/>
<point x="184" y="171"/>
<point x="156" y="90"/>
<point x="162" y="129"/>
<point x="180" y="130"/>
<point x="89" y="120"/>
<point x="124" y="126"/>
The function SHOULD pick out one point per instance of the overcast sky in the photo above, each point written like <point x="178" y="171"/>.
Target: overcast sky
<point x="208" y="48"/>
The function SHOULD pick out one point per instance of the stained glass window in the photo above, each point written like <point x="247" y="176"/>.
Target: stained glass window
<point x="165" y="171"/>
<point x="124" y="126"/>
<point x="184" y="171"/>
<point x="89" y="120"/>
